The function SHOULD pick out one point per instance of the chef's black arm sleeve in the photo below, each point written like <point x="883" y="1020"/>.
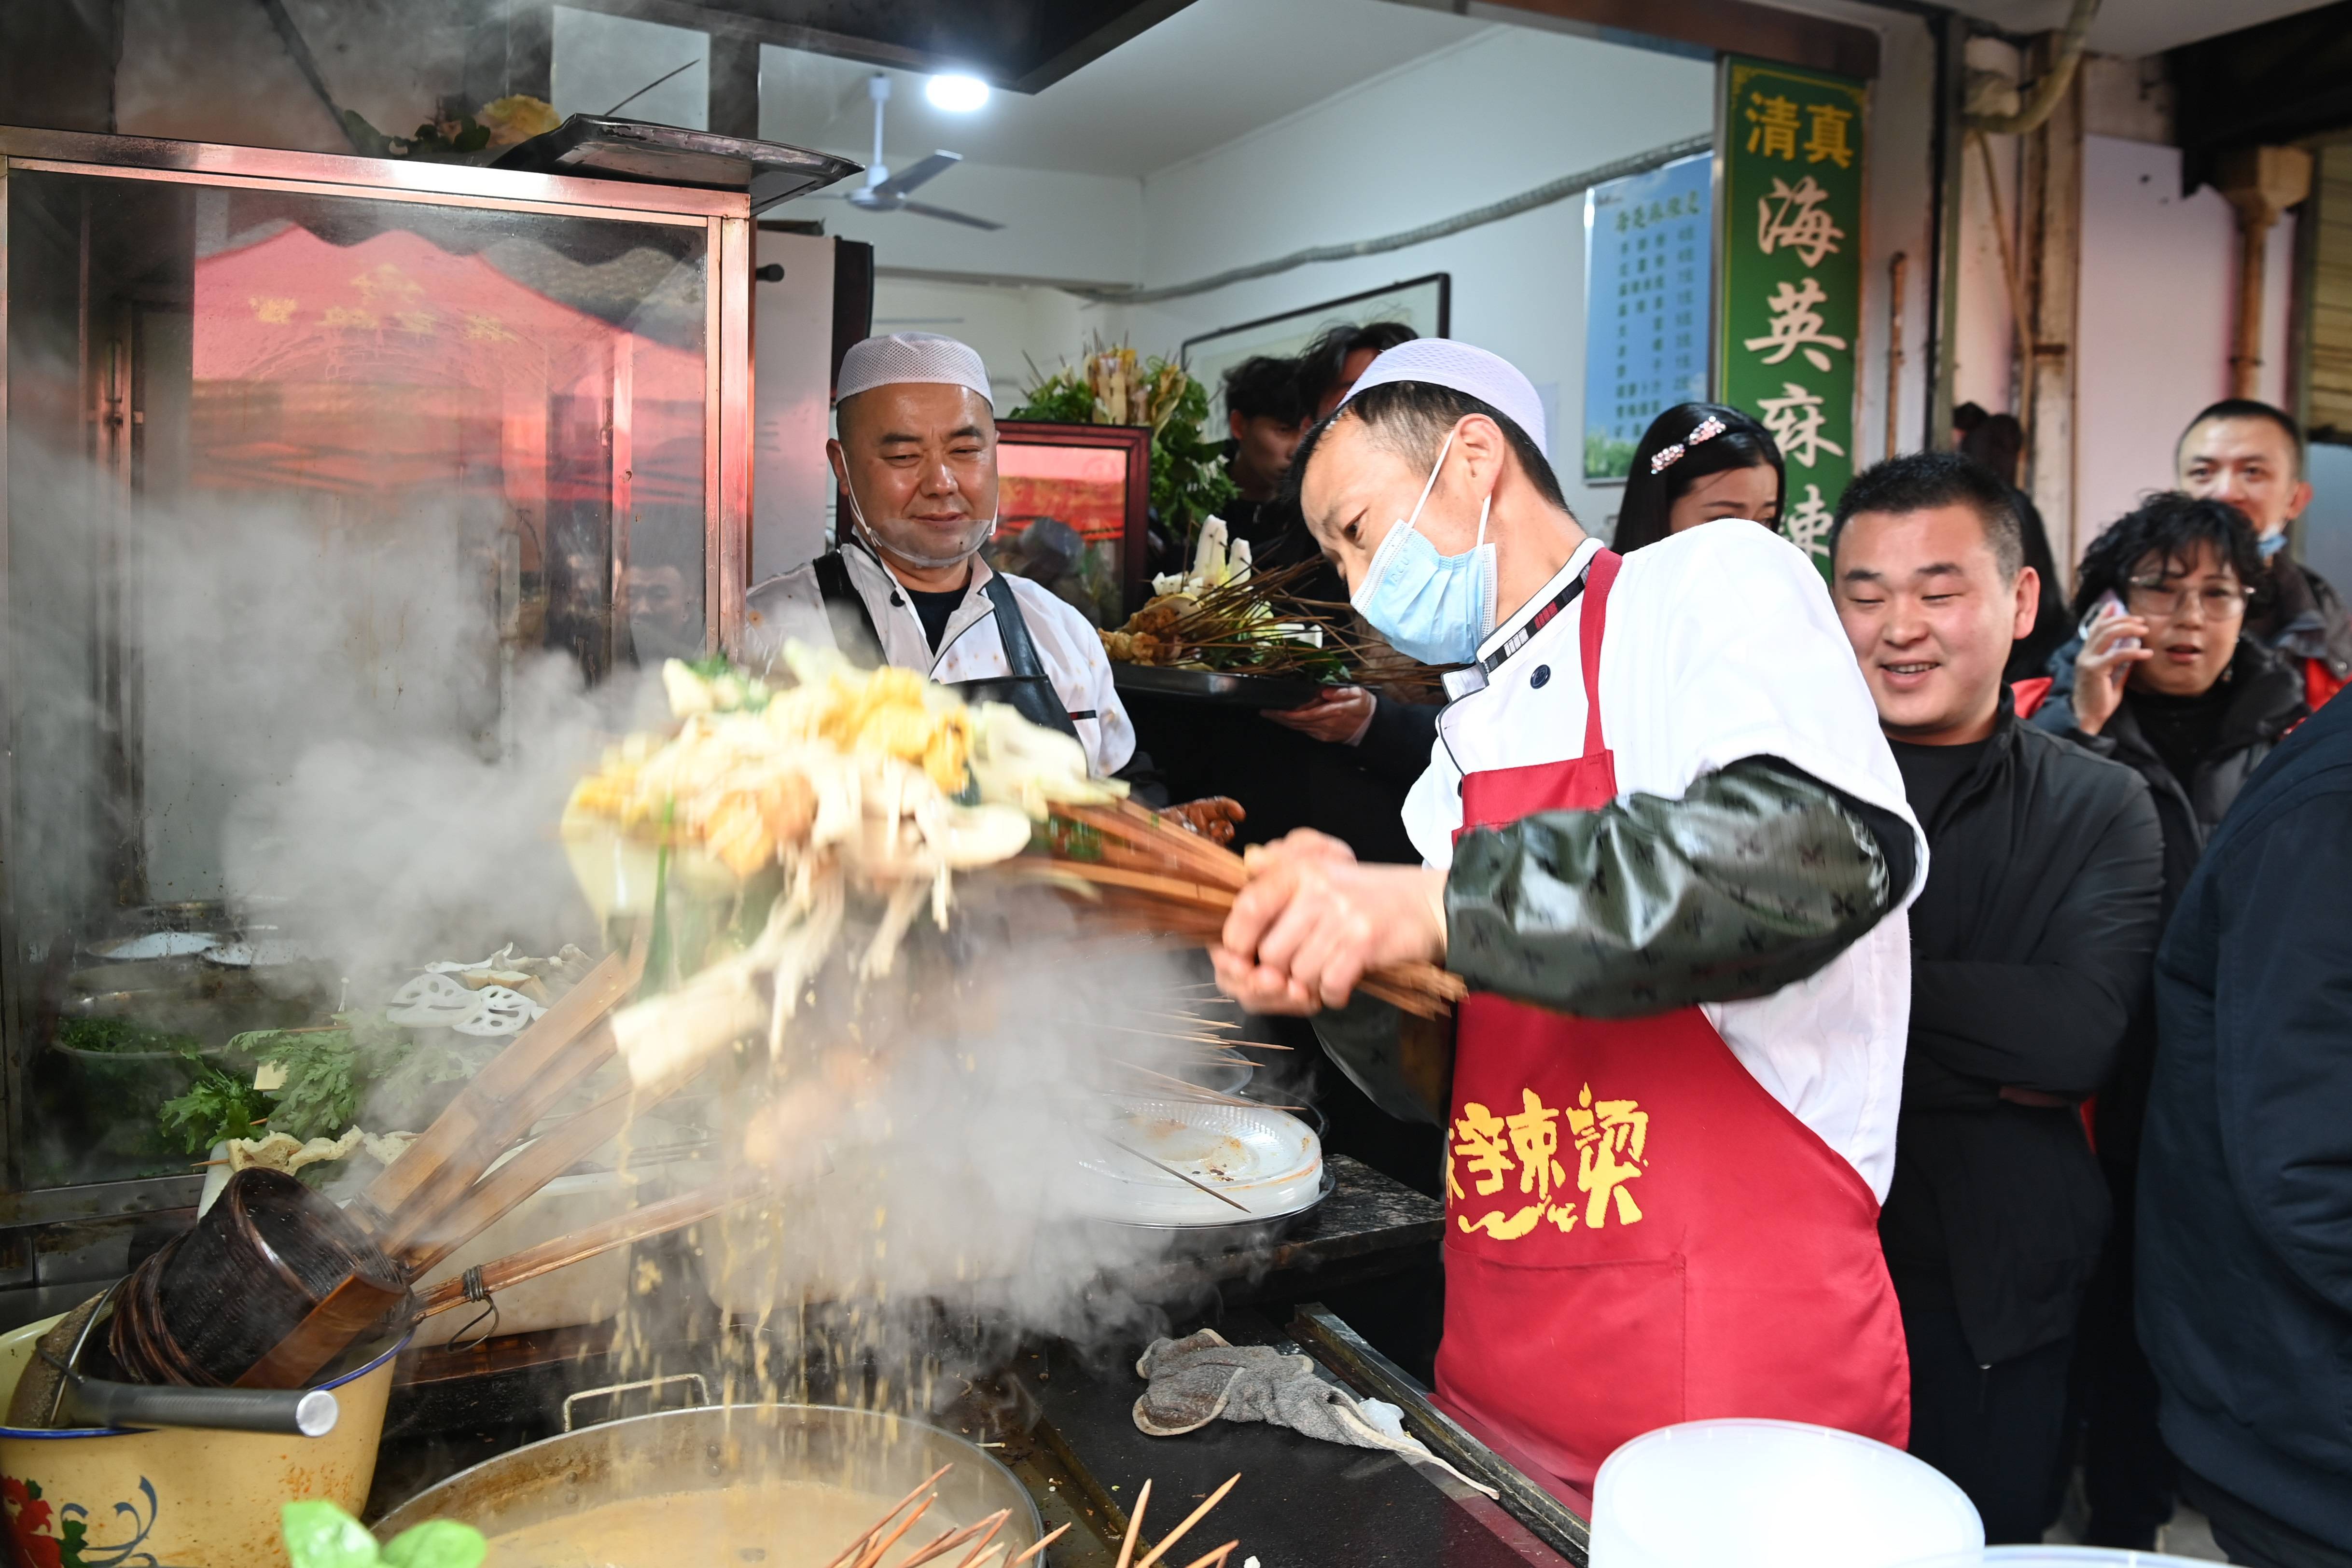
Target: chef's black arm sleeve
<point x="1755" y="879"/>
<point x="1404" y="1064"/>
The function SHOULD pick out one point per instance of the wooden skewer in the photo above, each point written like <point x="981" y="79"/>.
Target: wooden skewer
<point x="995" y="1522"/>
<point x="1044" y="1541"/>
<point x="874" y="1551"/>
<point x="1177" y="1535"/>
<point x="1134" y="1525"/>
<point x="1214" y="1559"/>
<point x="947" y="1540"/>
<point x="921" y="1487"/>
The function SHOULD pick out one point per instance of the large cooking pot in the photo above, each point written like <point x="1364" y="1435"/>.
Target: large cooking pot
<point x="719" y="1450"/>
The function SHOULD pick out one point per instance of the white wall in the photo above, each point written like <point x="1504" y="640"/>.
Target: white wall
<point x="2160" y="293"/>
<point x="1506" y="109"/>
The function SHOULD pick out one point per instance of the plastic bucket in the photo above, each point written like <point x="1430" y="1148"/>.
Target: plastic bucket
<point x="1766" y="1493"/>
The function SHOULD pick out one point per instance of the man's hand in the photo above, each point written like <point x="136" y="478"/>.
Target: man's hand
<point x="1213" y="817"/>
<point x="1311" y="920"/>
<point x="2102" y="668"/>
<point x="1339" y="714"/>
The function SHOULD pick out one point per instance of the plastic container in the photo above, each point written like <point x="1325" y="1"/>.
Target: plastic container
<point x="1765" y="1494"/>
<point x="2059" y="1557"/>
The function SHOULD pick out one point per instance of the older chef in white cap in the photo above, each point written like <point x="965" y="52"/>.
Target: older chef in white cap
<point x="915" y="450"/>
<point x="916" y="456"/>
<point x="1668" y="847"/>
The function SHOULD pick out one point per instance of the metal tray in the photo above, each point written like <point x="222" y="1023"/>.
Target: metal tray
<point x="668" y="155"/>
<point x="1216" y="686"/>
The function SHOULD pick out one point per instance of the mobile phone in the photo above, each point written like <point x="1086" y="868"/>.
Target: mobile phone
<point x="2107" y="604"/>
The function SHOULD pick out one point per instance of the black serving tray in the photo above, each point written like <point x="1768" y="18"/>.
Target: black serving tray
<point x="1232" y="689"/>
<point x="639" y="150"/>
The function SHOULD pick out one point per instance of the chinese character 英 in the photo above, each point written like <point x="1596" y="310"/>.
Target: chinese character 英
<point x="1612" y="1142"/>
<point x="1828" y="142"/>
<point x="1797" y="325"/>
<point x="1794" y="418"/>
<point x="1792" y="218"/>
<point x="1807" y="523"/>
<point x="1772" y="123"/>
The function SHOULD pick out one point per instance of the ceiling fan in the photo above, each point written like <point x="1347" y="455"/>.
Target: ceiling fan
<point x="886" y="193"/>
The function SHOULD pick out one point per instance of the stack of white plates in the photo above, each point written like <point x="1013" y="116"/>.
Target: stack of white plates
<point x="1267" y="1161"/>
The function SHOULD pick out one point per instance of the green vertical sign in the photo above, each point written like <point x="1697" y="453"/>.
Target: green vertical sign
<point x="1790" y="308"/>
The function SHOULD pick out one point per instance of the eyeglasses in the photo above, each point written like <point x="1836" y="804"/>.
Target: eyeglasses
<point x="2151" y="596"/>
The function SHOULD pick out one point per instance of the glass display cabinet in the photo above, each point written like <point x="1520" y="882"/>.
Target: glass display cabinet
<point x="295" y="447"/>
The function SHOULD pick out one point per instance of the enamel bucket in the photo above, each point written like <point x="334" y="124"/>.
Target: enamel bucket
<point x="188" y="1498"/>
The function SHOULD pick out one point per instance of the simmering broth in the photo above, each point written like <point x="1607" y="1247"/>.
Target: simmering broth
<point x="771" y="1524"/>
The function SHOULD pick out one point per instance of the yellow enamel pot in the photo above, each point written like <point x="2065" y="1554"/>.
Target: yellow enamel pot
<point x="92" y="1497"/>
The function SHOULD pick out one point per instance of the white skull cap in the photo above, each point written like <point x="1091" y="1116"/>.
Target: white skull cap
<point x="1443" y="361"/>
<point x="911" y="357"/>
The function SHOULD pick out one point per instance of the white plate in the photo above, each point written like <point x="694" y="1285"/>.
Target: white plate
<point x="1268" y="1161"/>
<point x="156" y="944"/>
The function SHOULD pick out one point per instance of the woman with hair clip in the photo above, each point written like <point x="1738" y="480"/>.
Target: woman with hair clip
<point x="1698" y="462"/>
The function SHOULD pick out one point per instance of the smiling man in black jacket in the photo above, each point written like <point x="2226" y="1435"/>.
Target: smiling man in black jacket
<point x="2029" y="946"/>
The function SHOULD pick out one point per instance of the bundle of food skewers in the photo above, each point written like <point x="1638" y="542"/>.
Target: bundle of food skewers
<point x="1227" y="614"/>
<point x="863" y="786"/>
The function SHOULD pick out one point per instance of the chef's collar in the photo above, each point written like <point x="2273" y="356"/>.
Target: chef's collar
<point x="1531" y="618"/>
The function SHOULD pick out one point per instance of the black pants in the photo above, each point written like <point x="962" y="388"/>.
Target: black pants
<point x="2128" y="1472"/>
<point x="2253" y="1537"/>
<point x="1998" y="1431"/>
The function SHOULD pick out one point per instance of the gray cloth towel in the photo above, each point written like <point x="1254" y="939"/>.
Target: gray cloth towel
<point x="1192" y="1381"/>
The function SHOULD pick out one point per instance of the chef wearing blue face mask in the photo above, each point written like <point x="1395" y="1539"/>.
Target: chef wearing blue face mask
<point x="1668" y="847"/>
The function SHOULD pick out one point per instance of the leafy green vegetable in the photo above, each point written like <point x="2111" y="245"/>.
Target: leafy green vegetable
<point x="437" y="1544"/>
<point x="327" y="1070"/>
<point x="321" y="1535"/>
<point x="217" y="1106"/>
<point x="122" y="1035"/>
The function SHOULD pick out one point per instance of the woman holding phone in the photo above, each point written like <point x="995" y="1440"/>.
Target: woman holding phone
<point x="2162" y="677"/>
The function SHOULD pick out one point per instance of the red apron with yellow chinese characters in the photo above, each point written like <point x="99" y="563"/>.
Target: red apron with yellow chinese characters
<point x="1637" y="1233"/>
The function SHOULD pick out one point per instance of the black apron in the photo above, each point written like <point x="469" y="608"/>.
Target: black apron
<point x="1026" y="688"/>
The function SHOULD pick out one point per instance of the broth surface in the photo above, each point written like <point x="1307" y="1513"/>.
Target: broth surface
<point x="771" y="1524"/>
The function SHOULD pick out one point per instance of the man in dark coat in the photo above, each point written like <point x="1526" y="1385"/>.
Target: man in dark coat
<point x="2030" y="946"/>
<point x="2174" y="682"/>
<point x="2245" y="1251"/>
<point x="2251" y="454"/>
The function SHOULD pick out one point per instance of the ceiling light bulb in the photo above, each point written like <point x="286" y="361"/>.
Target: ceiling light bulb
<point x="956" y="94"/>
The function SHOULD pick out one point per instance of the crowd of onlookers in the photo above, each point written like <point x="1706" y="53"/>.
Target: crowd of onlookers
<point x="2121" y="1222"/>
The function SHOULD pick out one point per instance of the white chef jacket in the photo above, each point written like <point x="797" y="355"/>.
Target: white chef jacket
<point x="1720" y="644"/>
<point x="791" y="608"/>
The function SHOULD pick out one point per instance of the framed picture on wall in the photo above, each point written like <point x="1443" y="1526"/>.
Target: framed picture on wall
<point x="1423" y="304"/>
<point x="1084" y="489"/>
<point x="1648" y="245"/>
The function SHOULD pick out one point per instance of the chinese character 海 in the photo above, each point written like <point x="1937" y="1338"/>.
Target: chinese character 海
<point x="1792" y="218"/>
<point x="1828" y="142"/>
<point x="1772" y="125"/>
<point x="1611" y="1141"/>
<point x="1794" y="418"/>
<point x="1797" y="325"/>
<point x="1807" y="523"/>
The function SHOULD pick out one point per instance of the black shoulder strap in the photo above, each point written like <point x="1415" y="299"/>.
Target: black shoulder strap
<point x="853" y="632"/>
<point x="1027" y="687"/>
<point x="1012" y="629"/>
